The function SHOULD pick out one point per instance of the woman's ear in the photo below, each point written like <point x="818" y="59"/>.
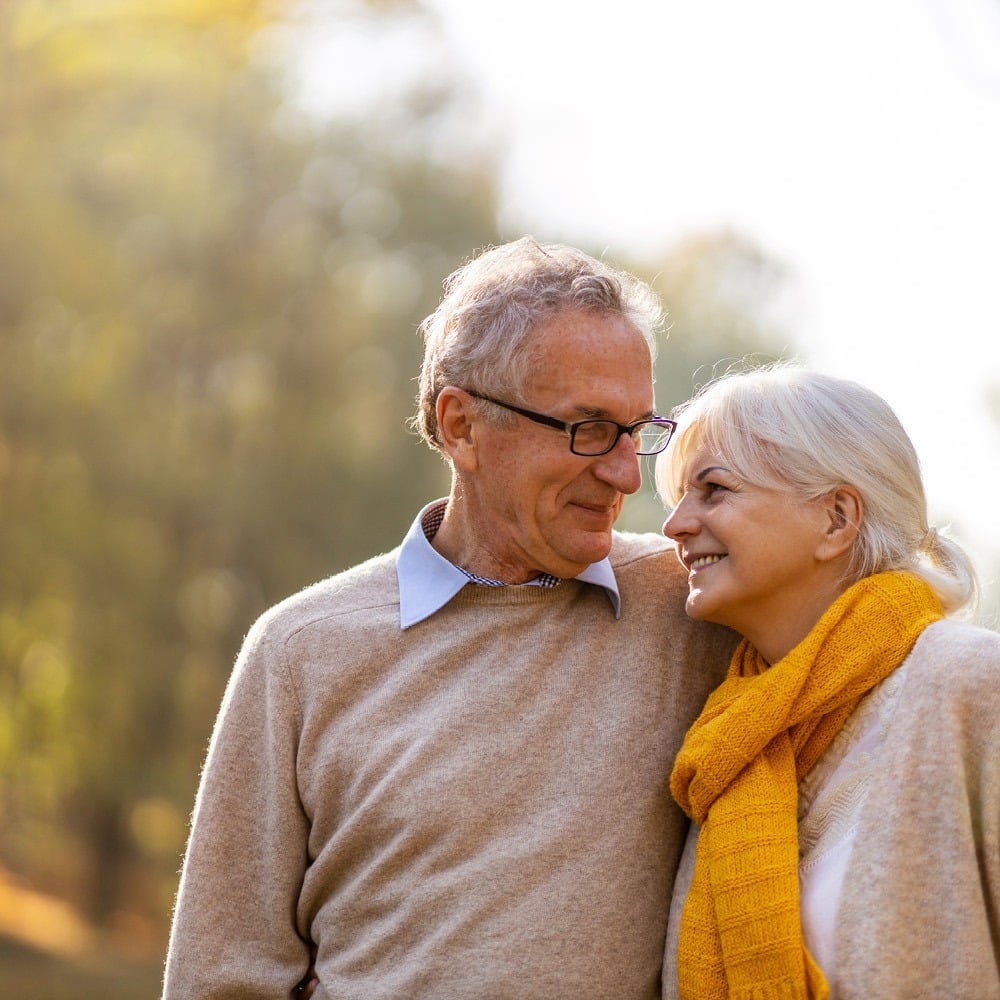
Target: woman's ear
<point x="845" y="512"/>
<point x="456" y="419"/>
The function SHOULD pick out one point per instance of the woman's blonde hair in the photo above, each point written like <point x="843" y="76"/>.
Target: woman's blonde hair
<point x="786" y="427"/>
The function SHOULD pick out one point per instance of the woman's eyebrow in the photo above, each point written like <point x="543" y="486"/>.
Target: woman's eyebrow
<point x="712" y="468"/>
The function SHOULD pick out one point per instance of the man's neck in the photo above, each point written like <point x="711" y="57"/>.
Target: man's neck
<point x="472" y="543"/>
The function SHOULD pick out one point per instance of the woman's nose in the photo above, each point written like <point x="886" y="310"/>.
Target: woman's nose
<point x="679" y="521"/>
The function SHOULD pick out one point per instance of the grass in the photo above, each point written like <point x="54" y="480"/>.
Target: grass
<point x="49" y="952"/>
<point x="30" y="973"/>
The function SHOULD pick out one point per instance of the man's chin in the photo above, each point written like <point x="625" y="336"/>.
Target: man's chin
<point x="592" y="548"/>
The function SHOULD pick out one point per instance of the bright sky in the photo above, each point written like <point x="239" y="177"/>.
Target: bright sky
<point x="859" y="142"/>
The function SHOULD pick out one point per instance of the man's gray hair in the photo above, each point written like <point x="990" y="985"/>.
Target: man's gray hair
<point x="479" y="336"/>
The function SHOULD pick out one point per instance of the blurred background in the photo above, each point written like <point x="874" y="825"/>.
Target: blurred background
<point x="220" y="224"/>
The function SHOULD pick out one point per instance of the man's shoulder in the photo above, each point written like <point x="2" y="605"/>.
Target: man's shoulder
<point x="649" y="574"/>
<point x="653" y="586"/>
<point x="371" y="585"/>
<point x="645" y="552"/>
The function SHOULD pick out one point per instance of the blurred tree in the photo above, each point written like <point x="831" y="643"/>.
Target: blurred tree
<point x="208" y="301"/>
<point x="727" y="300"/>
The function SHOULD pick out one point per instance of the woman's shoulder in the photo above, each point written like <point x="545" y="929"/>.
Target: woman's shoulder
<point x="954" y="662"/>
<point x="961" y="643"/>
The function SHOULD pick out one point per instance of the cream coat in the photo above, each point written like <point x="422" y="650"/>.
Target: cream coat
<point x="919" y="912"/>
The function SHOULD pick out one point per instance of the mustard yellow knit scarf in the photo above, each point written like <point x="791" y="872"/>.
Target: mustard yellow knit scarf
<point x="737" y="776"/>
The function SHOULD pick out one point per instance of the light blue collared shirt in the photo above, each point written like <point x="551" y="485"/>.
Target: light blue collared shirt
<point x="427" y="581"/>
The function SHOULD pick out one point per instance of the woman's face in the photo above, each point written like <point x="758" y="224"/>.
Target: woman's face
<point x="753" y="554"/>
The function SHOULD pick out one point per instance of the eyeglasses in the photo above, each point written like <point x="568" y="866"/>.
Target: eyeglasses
<point x="590" y="438"/>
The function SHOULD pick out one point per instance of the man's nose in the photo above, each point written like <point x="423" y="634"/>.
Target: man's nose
<point x="620" y="466"/>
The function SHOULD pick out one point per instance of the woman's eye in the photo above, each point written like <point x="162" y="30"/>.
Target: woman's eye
<point x="714" y="489"/>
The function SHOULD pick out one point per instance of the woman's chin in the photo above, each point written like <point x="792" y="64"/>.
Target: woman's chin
<point x="700" y="609"/>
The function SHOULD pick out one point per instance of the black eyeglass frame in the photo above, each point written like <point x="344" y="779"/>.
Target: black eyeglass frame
<point x="668" y="426"/>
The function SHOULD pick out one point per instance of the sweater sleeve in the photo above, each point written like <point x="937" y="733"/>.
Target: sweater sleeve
<point x="234" y="932"/>
<point x="920" y="913"/>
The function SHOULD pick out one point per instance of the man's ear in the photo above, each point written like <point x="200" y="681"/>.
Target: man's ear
<point x="457" y="423"/>
<point x="844" y="514"/>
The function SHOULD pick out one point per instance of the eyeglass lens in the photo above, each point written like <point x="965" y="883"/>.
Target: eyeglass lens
<point x="595" y="437"/>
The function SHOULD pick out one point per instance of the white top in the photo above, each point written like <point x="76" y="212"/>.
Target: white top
<point x="831" y="797"/>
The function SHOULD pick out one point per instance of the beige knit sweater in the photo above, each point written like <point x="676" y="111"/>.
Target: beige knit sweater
<point x="476" y="807"/>
<point x="919" y="912"/>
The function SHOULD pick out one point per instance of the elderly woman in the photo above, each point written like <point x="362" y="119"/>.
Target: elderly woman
<point x="844" y="780"/>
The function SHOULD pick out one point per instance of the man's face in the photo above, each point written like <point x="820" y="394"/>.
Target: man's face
<point x="548" y="510"/>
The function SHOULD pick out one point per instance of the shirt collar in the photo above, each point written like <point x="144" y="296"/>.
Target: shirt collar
<point x="427" y="581"/>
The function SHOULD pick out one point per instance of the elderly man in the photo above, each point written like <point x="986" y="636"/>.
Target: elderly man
<point x="444" y="772"/>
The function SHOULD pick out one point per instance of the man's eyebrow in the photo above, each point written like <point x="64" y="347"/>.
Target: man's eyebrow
<point x="599" y="413"/>
<point x="711" y="468"/>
